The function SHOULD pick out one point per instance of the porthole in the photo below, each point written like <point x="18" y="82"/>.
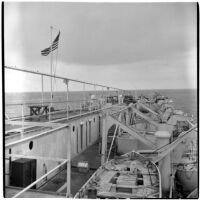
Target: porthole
<point x="31" y="145"/>
<point x="73" y="128"/>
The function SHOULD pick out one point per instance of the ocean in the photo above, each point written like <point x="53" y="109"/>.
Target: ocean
<point x="184" y="99"/>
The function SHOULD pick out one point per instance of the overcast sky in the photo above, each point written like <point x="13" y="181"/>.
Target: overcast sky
<point x="125" y="45"/>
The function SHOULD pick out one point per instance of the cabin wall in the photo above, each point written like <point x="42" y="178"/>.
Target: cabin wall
<point x="54" y="145"/>
<point x="85" y="132"/>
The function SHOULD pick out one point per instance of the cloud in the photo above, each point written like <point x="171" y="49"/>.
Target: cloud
<point x="128" y="45"/>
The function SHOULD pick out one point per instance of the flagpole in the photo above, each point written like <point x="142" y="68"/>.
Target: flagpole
<point x="51" y="62"/>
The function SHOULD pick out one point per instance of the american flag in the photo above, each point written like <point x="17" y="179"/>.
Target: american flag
<point x="54" y="46"/>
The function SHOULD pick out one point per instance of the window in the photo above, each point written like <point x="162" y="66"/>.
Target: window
<point x="73" y="128"/>
<point x="31" y="145"/>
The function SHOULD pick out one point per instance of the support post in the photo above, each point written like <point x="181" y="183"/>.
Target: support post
<point x="163" y="138"/>
<point x="118" y="97"/>
<point x="50" y="112"/>
<point x="102" y="93"/>
<point x="114" y="135"/>
<point x="67" y="99"/>
<point x="68" y="194"/>
<point x="127" y="118"/>
<point x="104" y="138"/>
<point x="51" y="82"/>
<point x="80" y="107"/>
<point x="84" y="98"/>
<point x="22" y="120"/>
<point x="120" y="119"/>
<point x="66" y="81"/>
<point x="108" y="91"/>
<point x="42" y="83"/>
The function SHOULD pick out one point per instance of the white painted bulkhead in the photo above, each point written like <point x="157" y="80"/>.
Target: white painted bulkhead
<point x="84" y="132"/>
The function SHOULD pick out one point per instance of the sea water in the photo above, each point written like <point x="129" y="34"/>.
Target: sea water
<point x="184" y="99"/>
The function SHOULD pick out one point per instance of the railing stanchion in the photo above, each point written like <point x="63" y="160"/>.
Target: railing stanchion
<point x="50" y="112"/>
<point x="66" y="81"/>
<point x="42" y="84"/>
<point x="22" y="120"/>
<point x="68" y="194"/>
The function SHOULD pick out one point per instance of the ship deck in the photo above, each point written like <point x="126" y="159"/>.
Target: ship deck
<point x="91" y="155"/>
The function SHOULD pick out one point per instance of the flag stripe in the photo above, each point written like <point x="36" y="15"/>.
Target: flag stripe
<point x="54" y="46"/>
<point x="48" y="50"/>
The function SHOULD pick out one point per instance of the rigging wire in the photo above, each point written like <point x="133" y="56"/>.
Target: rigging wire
<point x="55" y="68"/>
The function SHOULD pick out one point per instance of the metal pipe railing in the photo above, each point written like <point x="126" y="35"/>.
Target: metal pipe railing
<point x="44" y="102"/>
<point x="35" y="157"/>
<point x="59" y="77"/>
<point x="34" y="136"/>
<point x="53" y="112"/>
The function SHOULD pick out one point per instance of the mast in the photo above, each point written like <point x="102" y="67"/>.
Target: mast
<point x="51" y="66"/>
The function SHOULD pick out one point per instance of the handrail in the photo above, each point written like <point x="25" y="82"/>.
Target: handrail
<point x="34" y="136"/>
<point x="35" y="157"/>
<point x="53" y="112"/>
<point x="48" y="102"/>
<point x="59" y="77"/>
<point x="83" y="114"/>
<point x="73" y="116"/>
